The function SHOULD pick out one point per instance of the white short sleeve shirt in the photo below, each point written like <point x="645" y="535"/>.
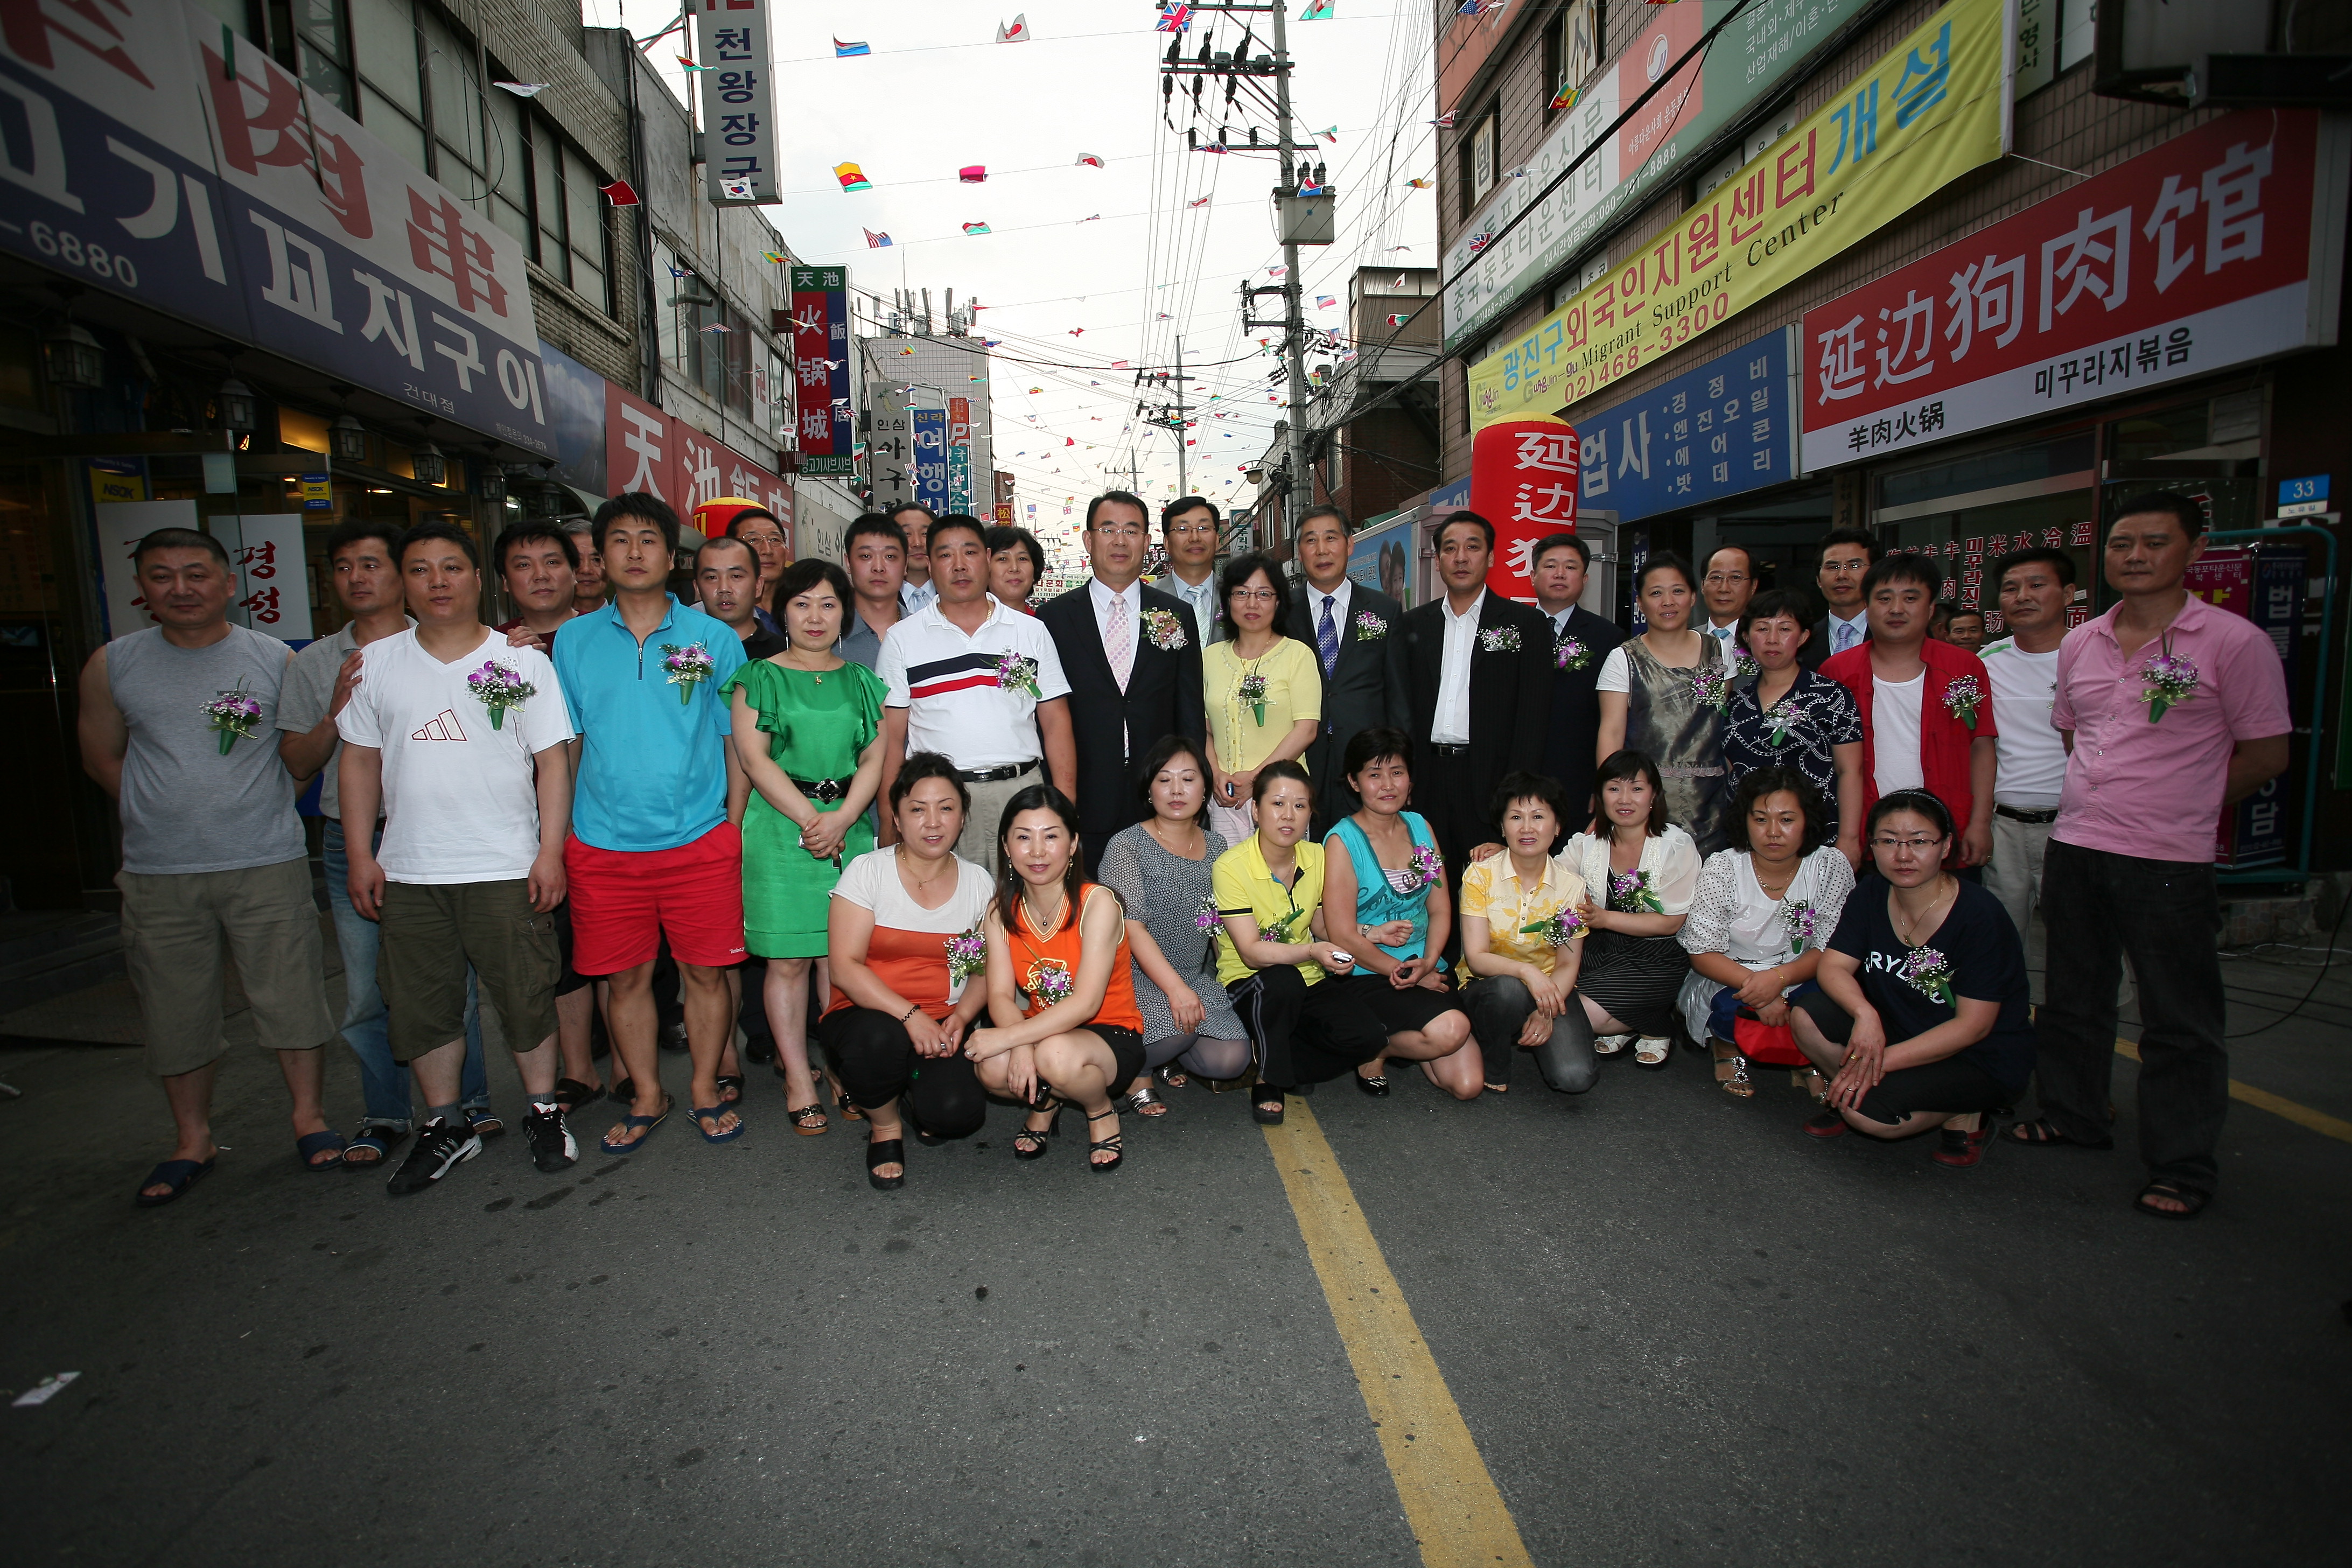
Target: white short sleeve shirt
<point x="963" y="700"/>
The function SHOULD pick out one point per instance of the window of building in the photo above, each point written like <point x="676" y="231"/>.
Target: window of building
<point x="1570" y="50"/>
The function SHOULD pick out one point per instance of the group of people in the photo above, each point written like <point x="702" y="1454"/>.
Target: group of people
<point x="1222" y="824"/>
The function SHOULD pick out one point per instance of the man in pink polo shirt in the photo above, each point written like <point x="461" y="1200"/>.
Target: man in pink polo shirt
<point x="2171" y="710"/>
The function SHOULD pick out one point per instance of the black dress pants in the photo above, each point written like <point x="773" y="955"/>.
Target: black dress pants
<point x="878" y="1063"/>
<point x="1305" y="1034"/>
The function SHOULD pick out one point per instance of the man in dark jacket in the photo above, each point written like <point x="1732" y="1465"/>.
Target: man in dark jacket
<point x="1353" y="628"/>
<point x="1132" y="657"/>
<point x="1847" y="555"/>
<point x="1478" y="671"/>
<point x="1580" y="641"/>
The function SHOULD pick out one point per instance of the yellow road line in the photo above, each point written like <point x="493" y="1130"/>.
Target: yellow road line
<point x="1450" y="1500"/>
<point x="2264" y="1100"/>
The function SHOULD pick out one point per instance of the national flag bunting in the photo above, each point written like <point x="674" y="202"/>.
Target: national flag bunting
<point x="876" y="239"/>
<point x="852" y="177"/>
<point x="975" y="228"/>
<point x="841" y="50"/>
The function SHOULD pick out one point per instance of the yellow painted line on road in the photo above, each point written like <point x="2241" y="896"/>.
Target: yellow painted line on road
<point x="2319" y="1121"/>
<point x="1450" y="1502"/>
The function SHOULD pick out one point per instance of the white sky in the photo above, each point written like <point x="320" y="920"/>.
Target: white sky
<point x="938" y="92"/>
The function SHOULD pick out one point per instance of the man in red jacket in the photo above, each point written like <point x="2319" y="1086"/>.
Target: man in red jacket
<point x="1926" y="706"/>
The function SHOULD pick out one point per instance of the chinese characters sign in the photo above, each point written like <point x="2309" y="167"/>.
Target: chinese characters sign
<point x="648" y="450"/>
<point x="1727" y="427"/>
<point x="167" y="161"/>
<point x="1523" y="475"/>
<point x="738" y="104"/>
<point x="2200" y="253"/>
<point x="1750" y="59"/>
<point x="1935" y="107"/>
<point x="820" y="337"/>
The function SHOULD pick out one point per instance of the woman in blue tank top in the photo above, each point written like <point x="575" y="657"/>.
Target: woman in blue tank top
<point x="1385" y="903"/>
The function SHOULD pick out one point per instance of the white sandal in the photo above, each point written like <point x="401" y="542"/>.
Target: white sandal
<point x="1652" y="1051"/>
<point x="1610" y="1045"/>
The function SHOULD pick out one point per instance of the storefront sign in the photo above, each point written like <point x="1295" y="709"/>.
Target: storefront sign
<point x="820" y="326"/>
<point x="1727" y="427"/>
<point x="165" y="160"/>
<point x="959" y="453"/>
<point x="739" y="106"/>
<point x="1748" y="60"/>
<point x="2217" y="247"/>
<point x="648" y="450"/>
<point x="318" y="492"/>
<point x="118" y="479"/>
<point x="2266" y="585"/>
<point x="710" y="469"/>
<point x="2306" y="496"/>
<point x="273" y="577"/>
<point x="930" y="467"/>
<point x="1935" y="107"/>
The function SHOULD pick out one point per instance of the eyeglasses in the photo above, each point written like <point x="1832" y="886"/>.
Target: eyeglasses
<point x="1905" y="846"/>
<point x="1183" y="530"/>
<point x="1257" y="596"/>
<point x="1117" y="531"/>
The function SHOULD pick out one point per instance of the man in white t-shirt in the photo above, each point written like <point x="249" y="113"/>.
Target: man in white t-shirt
<point x="979" y="684"/>
<point x="2035" y="587"/>
<point x="466" y="743"/>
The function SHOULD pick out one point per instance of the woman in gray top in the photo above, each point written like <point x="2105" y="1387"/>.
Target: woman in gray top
<point x="1160" y="868"/>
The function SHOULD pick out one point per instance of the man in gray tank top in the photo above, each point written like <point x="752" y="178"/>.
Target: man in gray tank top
<point x="176" y="725"/>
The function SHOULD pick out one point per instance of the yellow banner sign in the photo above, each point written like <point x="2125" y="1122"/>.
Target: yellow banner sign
<point x="1935" y="107"/>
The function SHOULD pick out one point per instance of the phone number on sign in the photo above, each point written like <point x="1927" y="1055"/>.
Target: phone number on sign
<point x="68" y="247"/>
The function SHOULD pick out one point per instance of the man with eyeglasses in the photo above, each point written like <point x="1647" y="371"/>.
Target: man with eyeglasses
<point x="1352" y="627"/>
<point x="1847" y="555"/>
<point x="1728" y="585"/>
<point x="1132" y="657"/>
<point x="1189" y="527"/>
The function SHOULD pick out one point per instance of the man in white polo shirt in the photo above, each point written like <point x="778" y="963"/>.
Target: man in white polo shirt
<point x="2034" y="587"/>
<point x="977" y="683"/>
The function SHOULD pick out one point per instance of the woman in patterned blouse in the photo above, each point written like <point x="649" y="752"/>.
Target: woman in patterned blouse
<point x="1791" y="717"/>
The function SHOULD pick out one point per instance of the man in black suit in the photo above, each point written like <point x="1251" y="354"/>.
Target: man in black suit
<point x="1354" y="632"/>
<point x="1847" y="555"/>
<point x="1562" y="562"/>
<point x="1132" y="657"/>
<point x="1478" y="670"/>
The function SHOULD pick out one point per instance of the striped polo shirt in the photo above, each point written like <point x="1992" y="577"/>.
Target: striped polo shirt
<point x="964" y="696"/>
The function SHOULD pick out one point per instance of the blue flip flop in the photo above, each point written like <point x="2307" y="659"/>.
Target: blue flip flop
<point x="631" y="1123"/>
<point x="181" y="1175"/>
<point x="308" y="1147"/>
<point x="715" y="1112"/>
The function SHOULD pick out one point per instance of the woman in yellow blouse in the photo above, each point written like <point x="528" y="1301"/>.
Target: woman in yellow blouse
<point x="1522" y="941"/>
<point x="1263" y="692"/>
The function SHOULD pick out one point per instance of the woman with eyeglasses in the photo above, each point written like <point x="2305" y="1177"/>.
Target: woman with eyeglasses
<point x="1263" y="691"/>
<point x="1061" y="989"/>
<point x="808" y="734"/>
<point x="1757" y="923"/>
<point x="1920" y="1022"/>
<point x="1664" y="694"/>
<point x="1640" y="871"/>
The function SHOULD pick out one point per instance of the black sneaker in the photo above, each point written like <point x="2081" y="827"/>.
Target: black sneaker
<point x="553" y="1147"/>
<point x="440" y="1147"/>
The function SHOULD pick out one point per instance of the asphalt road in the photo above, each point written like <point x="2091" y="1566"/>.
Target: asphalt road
<point x="1677" y="1332"/>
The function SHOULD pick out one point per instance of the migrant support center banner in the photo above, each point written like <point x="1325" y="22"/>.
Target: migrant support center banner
<point x="147" y="150"/>
<point x="1933" y="108"/>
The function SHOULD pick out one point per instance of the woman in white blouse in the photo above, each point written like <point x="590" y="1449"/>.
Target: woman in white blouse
<point x="1643" y="870"/>
<point x="1761" y="916"/>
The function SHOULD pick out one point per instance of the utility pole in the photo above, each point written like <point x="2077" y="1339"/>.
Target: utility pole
<point x="1166" y="415"/>
<point x="1298" y="493"/>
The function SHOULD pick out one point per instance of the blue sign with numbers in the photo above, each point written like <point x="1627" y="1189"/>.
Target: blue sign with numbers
<point x="1727" y="427"/>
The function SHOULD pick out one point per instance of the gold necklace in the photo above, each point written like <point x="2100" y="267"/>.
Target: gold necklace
<point x="1908" y="925"/>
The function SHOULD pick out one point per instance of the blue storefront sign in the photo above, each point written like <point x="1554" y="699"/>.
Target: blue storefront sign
<point x="931" y="469"/>
<point x="1728" y="427"/>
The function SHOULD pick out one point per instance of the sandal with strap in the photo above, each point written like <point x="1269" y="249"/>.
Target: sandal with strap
<point x="2043" y="1134"/>
<point x="642" y="1125"/>
<point x="1962" y="1147"/>
<point x="177" y="1174"/>
<point x="310" y="1145"/>
<point x="1652" y="1052"/>
<point x="1145" y="1103"/>
<point x="730" y="1088"/>
<point x="889" y="1151"/>
<point x="1610" y="1045"/>
<point x="1265" y="1105"/>
<point x="575" y="1096"/>
<point x="1173" y="1075"/>
<point x="1037" y="1136"/>
<point x="376" y="1140"/>
<point x="2191" y="1199"/>
<point x="711" y="1114"/>
<point x="1115" y="1144"/>
<point x="849" y="1108"/>
<point x="1731" y="1071"/>
<point x="809" y="1121"/>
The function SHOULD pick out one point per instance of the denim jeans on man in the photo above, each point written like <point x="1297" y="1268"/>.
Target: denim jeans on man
<point x="2166" y="915"/>
<point x="384" y="1082"/>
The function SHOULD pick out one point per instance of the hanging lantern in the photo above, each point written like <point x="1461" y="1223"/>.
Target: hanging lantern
<point x="72" y="358"/>
<point x="233" y="404"/>
<point x="429" y="465"/>
<point x="347" y="440"/>
<point x="490" y="481"/>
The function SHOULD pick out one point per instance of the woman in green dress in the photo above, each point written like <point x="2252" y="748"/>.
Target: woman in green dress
<point x="808" y="732"/>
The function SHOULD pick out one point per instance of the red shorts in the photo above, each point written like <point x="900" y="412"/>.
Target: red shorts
<point x="623" y="903"/>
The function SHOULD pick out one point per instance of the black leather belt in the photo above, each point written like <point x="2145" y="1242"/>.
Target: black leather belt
<point x="2036" y="818"/>
<point x="823" y="791"/>
<point x="1448" y="748"/>
<point x="991" y="775"/>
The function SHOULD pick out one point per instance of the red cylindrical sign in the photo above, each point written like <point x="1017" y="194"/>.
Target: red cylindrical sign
<point x="1523" y="475"/>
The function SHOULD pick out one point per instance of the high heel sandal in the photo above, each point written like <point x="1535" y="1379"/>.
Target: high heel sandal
<point x="889" y="1151"/>
<point x="1037" y="1136"/>
<point x="1116" y="1144"/>
<point x="1265" y="1105"/>
<point x="850" y="1111"/>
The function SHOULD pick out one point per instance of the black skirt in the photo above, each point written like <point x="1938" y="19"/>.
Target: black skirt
<point x="1634" y="979"/>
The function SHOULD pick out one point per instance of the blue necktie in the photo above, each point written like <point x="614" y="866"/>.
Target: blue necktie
<point x="1326" y="638"/>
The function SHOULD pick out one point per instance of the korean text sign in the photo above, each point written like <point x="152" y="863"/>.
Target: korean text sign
<point x="738" y="108"/>
<point x="821" y="370"/>
<point x="2199" y="253"/>
<point x="1727" y="427"/>
<point x="165" y="160"/>
<point x="1933" y="108"/>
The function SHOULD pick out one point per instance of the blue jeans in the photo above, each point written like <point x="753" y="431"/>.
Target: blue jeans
<point x="384" y="1082"/>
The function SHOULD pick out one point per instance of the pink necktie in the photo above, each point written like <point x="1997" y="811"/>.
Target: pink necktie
<point x="1118" y="643"/>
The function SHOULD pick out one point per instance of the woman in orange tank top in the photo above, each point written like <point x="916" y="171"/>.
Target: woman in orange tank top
<point x="1061" y="990"/>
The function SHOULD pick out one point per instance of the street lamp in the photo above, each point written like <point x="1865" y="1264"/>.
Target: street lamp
<point x="234" y="404"/>
<point x="72" y="358"/>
